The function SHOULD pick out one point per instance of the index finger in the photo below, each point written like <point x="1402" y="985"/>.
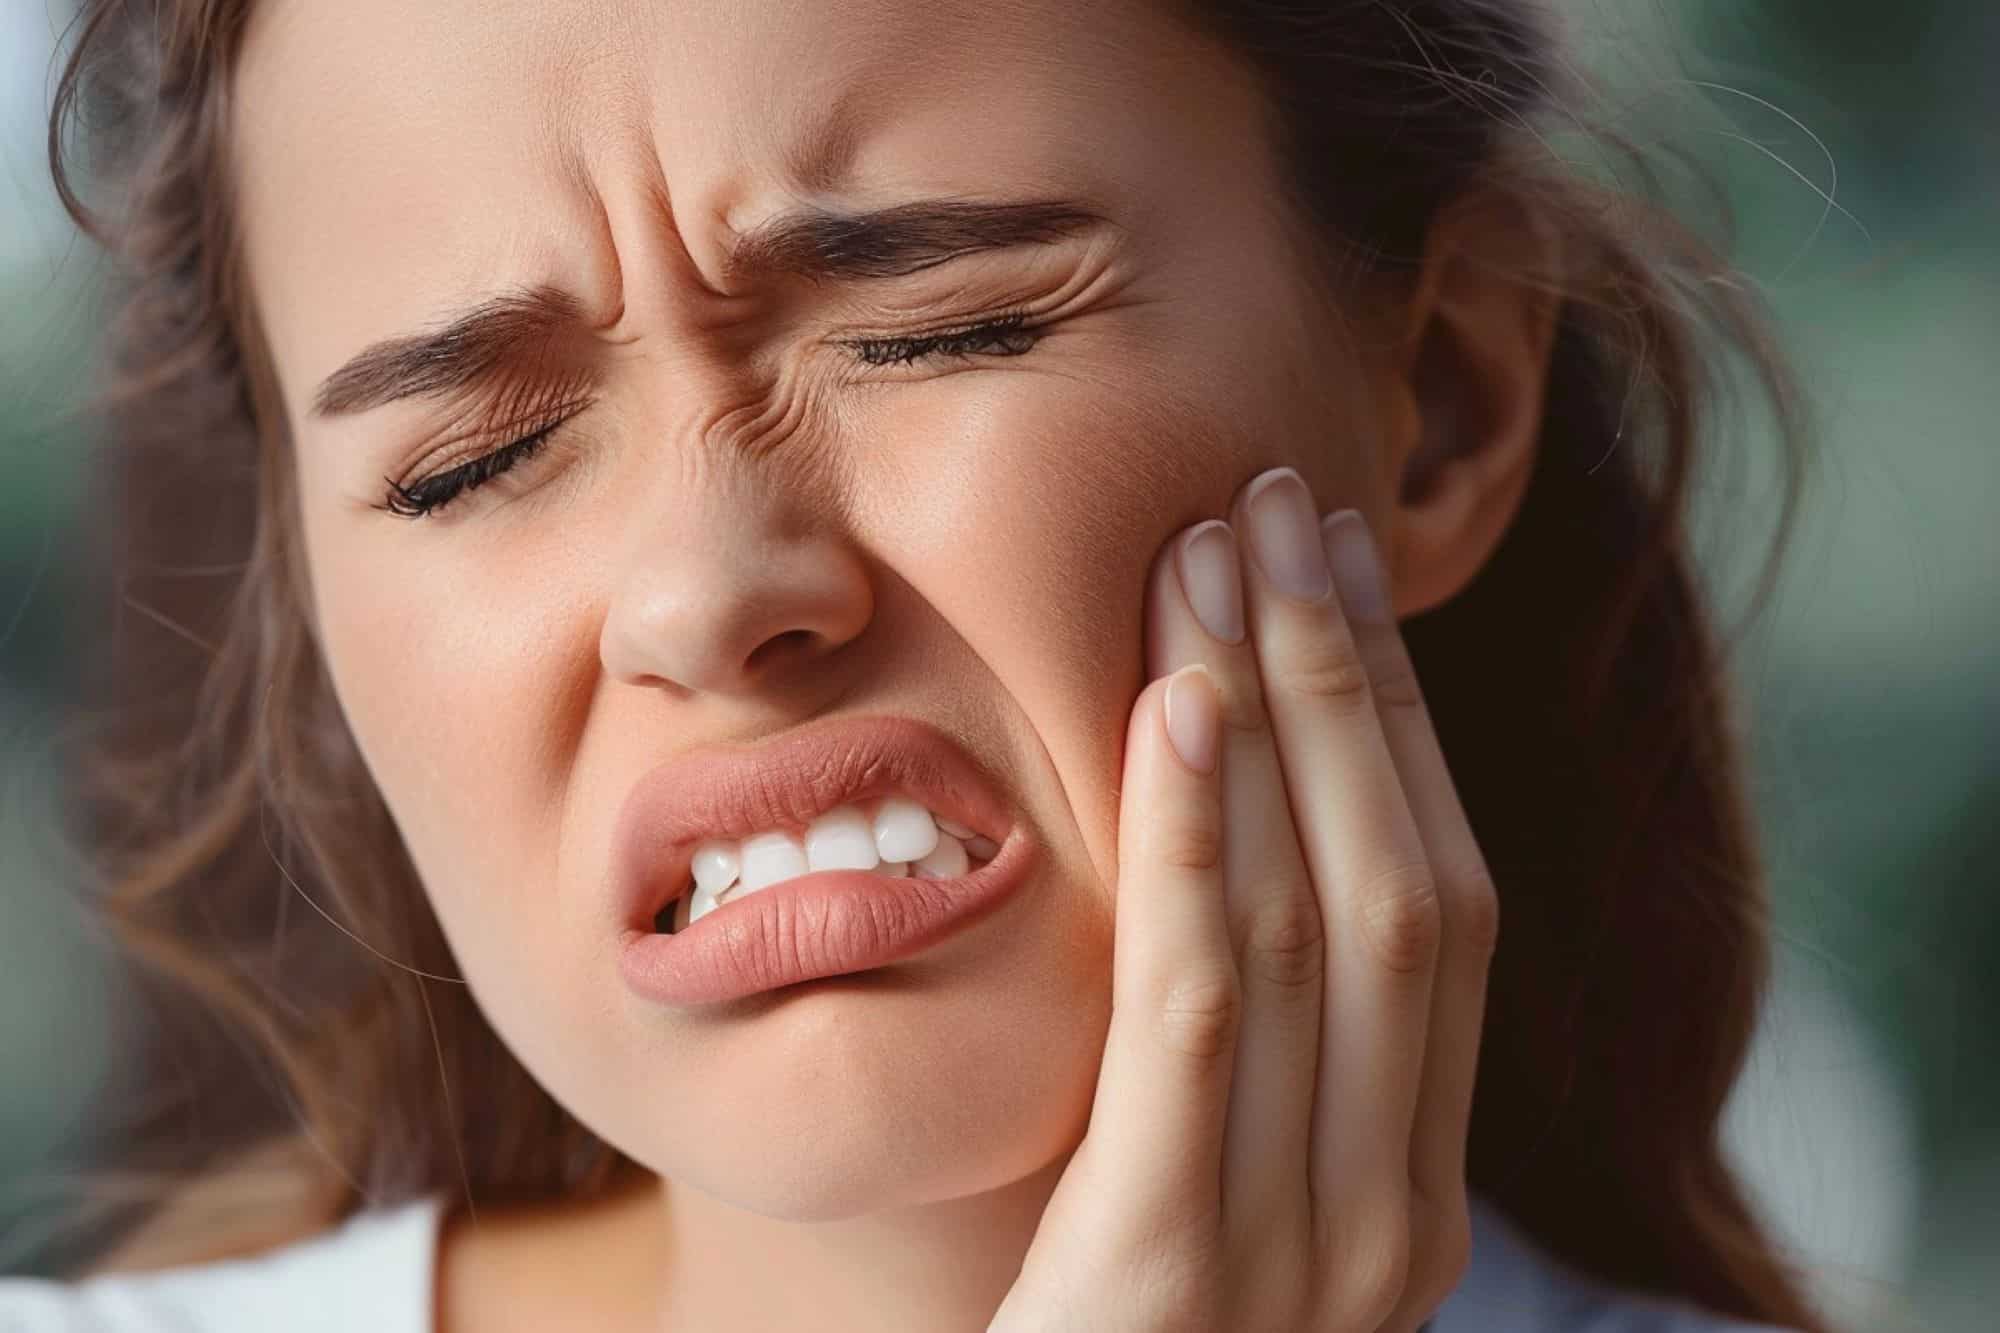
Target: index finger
<point x="1153" y="1154"/>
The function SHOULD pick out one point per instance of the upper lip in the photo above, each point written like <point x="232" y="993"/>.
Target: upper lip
<point x="732" y="791"/>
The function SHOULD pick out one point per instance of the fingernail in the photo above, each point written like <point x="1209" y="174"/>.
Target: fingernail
<point x="1211" y="579"/>
<point x="1193" y="717"/>
<point x="1284" y="535"/>
<point x="1357" y="567"/>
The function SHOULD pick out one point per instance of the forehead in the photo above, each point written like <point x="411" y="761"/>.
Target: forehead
<point x="395" y="156"/>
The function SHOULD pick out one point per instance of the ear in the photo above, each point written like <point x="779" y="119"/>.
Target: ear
<point x="1463" y="383"/>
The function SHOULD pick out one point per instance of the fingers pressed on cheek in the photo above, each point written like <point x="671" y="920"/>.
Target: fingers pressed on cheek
<point x="1193" y="725"/>
<point x="1212" y="579"/>
<point x="1195" y="612"/>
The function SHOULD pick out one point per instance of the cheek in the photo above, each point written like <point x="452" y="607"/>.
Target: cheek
<point x="1027" y="511"/>
<point x="457" y="709"/>
<point x="455" y="701"/>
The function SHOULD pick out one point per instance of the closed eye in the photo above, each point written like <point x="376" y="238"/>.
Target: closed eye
<point x="422" y="498"/>
<point x="1005" y="335"/>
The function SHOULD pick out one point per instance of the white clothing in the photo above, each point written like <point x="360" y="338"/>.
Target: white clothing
<point x="373" y="1274"/>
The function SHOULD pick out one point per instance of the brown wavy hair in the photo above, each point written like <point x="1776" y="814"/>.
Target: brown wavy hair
<point x="308" y="1052"/>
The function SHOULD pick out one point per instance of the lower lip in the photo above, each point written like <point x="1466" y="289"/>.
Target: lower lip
<point x="823" y="924"/>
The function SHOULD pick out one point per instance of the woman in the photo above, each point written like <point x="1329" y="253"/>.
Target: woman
<point x="936" y="487"/>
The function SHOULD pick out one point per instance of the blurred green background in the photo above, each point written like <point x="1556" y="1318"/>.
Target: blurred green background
<point x="1858" y="145"/>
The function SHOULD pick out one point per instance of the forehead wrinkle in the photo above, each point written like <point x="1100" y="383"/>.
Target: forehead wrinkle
<point x="572" y="167"/>
<point x="595" y="96"/>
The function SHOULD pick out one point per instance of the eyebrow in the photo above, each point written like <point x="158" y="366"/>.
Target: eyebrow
<point x="466" y="349"/>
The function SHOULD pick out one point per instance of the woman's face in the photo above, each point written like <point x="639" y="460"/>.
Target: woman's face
<point x="743" y="525"/>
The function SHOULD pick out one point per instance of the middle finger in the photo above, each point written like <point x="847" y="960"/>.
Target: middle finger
<point x="1367" y="862"/>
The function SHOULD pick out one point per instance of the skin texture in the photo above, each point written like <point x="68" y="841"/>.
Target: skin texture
<point x="748" y="528"/>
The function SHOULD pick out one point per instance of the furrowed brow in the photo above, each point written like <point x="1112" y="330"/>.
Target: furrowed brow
<point x="906" y="238"/>
<point x="468" y="349"/>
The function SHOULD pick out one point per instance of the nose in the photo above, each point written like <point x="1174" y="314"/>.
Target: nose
<point x="735" y="602"/>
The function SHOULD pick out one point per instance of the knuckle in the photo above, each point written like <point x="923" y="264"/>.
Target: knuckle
<point x="1479" y="921"/>
<point x="1439" y="1265"/>
<point x="1284" y="941"/>
<point x="1192" y="840"/>
<point x="1200" y="1013"/>
<point x="1326" y="669"/>
<point x="1451" y="1254"/>
<point x="1174" y="1282"/>
<point x="1168" y="1307"/>
<point x="1242" y="702"/>
<point x="1272" y="1274"/>
<point x="1401" y="918"/>
<point x="1374" y="1275"/>
<point x="1395" y="682"/>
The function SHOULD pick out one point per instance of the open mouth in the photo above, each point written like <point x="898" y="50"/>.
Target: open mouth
<point x="892" y="836"/>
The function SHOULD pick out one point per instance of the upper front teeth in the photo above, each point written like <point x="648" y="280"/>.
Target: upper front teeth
<point x="904" y="830"/>
<point x="901" y="837"/>
<point x="770" y="857"/>
<point x="839" y="840"/>
<point x="716" y="864"/>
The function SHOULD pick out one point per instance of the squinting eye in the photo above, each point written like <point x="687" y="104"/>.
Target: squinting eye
<point x="436" y="491"/>
<point x="1002" y="336"/>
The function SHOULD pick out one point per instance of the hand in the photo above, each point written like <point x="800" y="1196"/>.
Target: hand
<point x="1303" y="931"/>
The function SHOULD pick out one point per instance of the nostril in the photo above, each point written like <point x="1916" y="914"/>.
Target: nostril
<point x="780" y="646"/>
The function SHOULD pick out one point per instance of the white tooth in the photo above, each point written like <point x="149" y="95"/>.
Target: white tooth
<point x="892" y="869"/>
<point x="697" y="905"/>
<point x="840" y="840"/>
<point x="716" y="863"/>
<point x="953" y="827"/>
<point x="946" y="861"/>
<point x="770" y="857"/>
<point x="983" y="848"/>
<point x="903" y="830"/>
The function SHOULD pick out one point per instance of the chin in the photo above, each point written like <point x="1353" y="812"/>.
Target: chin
<point x="844" y="1115"/>
<point x="830" y="1177"/>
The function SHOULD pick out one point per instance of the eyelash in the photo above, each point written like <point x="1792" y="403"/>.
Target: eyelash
<point x="1006" y="330"/>
<point x="433" y="493"/>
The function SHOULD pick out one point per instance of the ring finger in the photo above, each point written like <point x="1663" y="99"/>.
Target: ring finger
<point x="1471" y="907"/>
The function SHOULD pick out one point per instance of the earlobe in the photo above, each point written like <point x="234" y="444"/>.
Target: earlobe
<point x="1470" y="378"/>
